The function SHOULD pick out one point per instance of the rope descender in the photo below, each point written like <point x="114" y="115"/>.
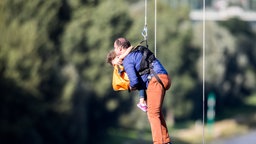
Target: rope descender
<point x="145" y="29"/>
<point x="144" y="33"/>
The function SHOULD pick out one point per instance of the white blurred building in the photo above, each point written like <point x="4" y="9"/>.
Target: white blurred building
<point x="224" y="10"/>
<point x="224" y="14"/>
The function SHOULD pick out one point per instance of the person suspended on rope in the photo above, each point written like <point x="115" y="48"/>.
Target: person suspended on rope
<point x="154" y="79"/>
<point x="116" y="61"/>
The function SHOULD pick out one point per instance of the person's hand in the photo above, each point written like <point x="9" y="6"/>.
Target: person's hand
<point x="116" y="61"/>
<point x="120" y="61"/>
<point x="132" y="88"/>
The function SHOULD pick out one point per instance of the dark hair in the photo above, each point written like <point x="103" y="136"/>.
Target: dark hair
<point x="111" y="55"/>
<point x="123" y="42"/>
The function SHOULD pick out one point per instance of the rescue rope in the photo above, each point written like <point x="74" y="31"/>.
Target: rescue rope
<point x="145" y="29"/>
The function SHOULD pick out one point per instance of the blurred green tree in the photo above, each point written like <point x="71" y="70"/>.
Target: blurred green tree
<point x="56" y="86"/>
<point x="229" y="61"/>
<point x="31" y="79"/>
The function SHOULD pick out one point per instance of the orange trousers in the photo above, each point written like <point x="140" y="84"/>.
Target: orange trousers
<point x="155" y="97"/>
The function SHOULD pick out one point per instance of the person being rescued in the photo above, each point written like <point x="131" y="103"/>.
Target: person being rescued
<point x="119" y="73"/>
<point x="145" y="71"/>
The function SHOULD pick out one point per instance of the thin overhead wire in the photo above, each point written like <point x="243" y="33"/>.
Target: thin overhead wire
<point x="203" y="137"/>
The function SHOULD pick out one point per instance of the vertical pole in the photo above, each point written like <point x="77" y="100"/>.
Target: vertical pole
<point x="211" y="112"/>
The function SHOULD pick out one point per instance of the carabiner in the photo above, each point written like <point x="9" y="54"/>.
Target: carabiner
<point x="144" y="33"/>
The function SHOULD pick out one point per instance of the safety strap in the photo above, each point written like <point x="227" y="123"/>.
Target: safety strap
<point x="139" y="44"/>
<point x="157" y="78"/>
<point x="150" y="67"/>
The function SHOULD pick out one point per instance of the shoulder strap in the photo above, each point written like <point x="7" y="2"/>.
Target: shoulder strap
<point x="138" y="45"/>
<point x="157" y="78"/>
<point x="147" y="59"/>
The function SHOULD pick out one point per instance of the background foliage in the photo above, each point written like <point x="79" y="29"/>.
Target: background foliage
<point x="56" y="87"/>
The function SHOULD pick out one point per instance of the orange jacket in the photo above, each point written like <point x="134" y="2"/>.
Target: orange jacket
<point x="120" y="79"/>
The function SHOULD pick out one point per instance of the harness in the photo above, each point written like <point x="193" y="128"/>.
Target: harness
<point x="147" y="60"/>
